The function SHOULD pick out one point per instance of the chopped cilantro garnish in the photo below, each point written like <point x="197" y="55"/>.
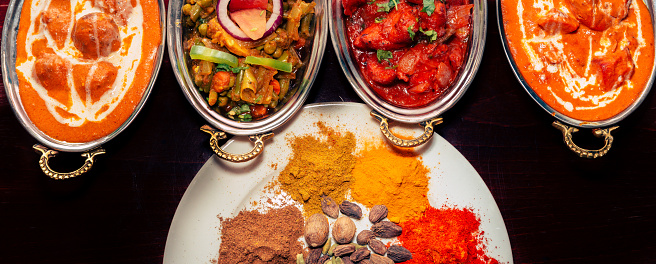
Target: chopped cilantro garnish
<point x="429" y="7"/>
<point x="383" y="55"/>
<point x="244" y="108"/>
<point x="245" y="117"/>
<point x="386" y="7"/>
<point x="391" y="67"/>
<point x="379" y="19"/>
<point x="228" y="68"/>
<point x="431" y="34"/>
<point x="412" y="33"/>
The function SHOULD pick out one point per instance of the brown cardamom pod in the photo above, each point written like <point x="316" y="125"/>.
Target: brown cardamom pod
<point x="398" y="253"/>
<point x="342" y="250"/>
<point x="350" y="209"/>
<point x="323" y="259"/>
<point x="360" y="254"/>
<point x="364" y="236"/>
<point x="346" y="260"/>
<point x="329" y="206"/>
<point x="313" y="256"/>
<point x="386" y="229"/>
<point x="378" y="213"/>
<point x="378" y="259"/>
<point x="378" y="247"/>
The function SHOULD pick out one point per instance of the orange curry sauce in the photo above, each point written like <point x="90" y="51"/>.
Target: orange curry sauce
<point x="70" y="87"/>
<point x="587" y="59"/>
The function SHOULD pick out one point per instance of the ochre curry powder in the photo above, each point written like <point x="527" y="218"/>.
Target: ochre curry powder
<point x="319" y="167"/>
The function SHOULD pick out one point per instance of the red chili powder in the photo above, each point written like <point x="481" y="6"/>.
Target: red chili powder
<point x="445" y="236"/>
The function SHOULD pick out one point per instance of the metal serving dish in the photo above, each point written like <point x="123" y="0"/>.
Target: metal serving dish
<point x="601" y="128"/>
<point x="259" y="130"/>
<point x="10" y="78"/>
<point x="427" y="115"/>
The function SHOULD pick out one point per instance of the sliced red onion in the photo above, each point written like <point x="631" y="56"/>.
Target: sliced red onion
<point x="224" y="19"/>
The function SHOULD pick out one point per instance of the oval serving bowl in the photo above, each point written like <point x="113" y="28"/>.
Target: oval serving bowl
<point x="427" y="115"/>
<point x="10" y="79"/>
<point x="601" y="128"/>
<point x="258" y="130"/>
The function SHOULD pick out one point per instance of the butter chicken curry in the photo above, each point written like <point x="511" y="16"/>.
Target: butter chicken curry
<point x="587" y="59"/>
<point x="83" y="65"/>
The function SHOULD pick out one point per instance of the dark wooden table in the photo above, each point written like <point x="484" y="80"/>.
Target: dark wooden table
<point x="558" y="208"/>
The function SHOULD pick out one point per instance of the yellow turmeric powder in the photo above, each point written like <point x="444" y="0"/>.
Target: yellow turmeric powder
<point x="395" y="178"/>
<point x="319" y="167"/>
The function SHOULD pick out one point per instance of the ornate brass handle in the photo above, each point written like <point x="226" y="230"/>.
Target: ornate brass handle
<point x="46" y="154"/>
<point x="218" y="135"/>
<point x="405" y="143"/>
<point x="586" y="153"/>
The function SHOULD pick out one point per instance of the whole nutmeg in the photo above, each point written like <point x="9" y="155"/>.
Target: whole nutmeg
<point x="343" y="230"/>
<point x="316" y="230"/>
<point x="398" y="253"/>
<point x="364" y="236"/>
<point x="329" y="206"/>
<point x="350" y="209"/>
<point x="386" y="229"/>
<point x="377" y="213"/>
<point x="378" y="247"/>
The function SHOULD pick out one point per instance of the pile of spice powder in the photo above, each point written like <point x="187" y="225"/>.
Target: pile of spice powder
<point x="393" y="177"/>
<point x="253" y="237"/>
<point x="445" y="236"/>
<point x="319" y="167"/>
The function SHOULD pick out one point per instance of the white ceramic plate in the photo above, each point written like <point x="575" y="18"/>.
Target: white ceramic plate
<point x="223" y="189"/>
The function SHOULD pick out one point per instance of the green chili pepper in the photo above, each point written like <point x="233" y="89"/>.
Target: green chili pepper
<point x="198" y="52"/>
<point x="276" y="64"/>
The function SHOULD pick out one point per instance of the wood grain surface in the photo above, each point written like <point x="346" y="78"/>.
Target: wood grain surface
<point x="558" y="208"/>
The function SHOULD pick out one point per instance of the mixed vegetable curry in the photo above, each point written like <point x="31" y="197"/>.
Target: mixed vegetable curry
<point x="244" y="55"/>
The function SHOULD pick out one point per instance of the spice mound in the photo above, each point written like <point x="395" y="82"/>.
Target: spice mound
<point x="395" y="178"/>
<point x="319" y="167"/>
<point x="253" y="237"/>
<point x="445" y="236"/>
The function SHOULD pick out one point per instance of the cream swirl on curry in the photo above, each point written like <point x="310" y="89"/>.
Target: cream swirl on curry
<point x="85" y="64"/>
<point x="587" y="59"/>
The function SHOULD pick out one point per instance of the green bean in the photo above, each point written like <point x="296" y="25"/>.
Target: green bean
<point x="202" y="29"/>
<point x="305" y="24"/>
<point x="186" y="9"/>
<point x="195" y="12"/>
<point x="270" y="47"/>
<point x="236" y="89"/>
<point x="284" y="87"/>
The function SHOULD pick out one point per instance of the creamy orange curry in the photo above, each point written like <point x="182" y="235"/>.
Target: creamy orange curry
<point x="587" y="59"/>
<point x="83" y="65"/>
